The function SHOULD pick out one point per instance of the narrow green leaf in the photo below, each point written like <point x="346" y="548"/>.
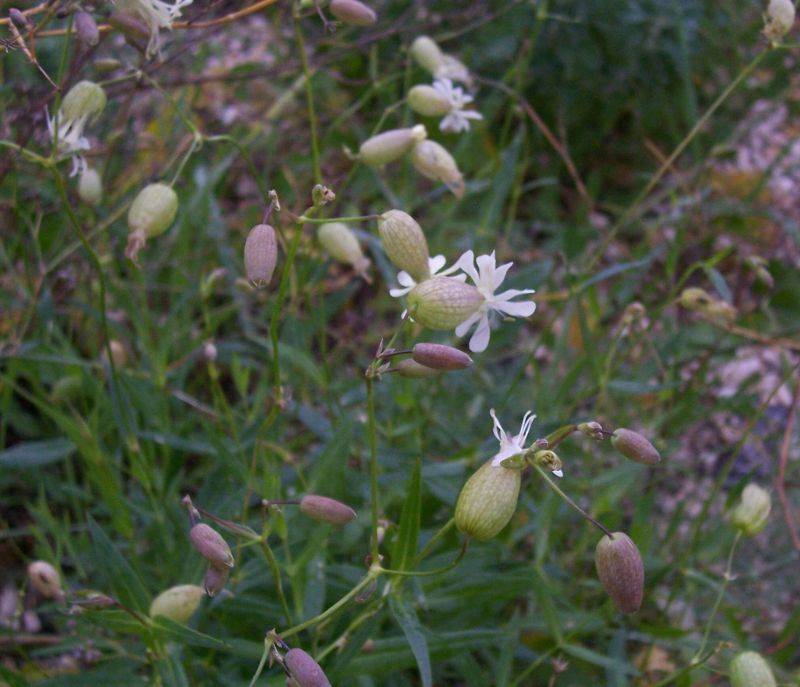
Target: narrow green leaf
<point x="407" y="620"/>
<point x="176" y="632"/>
<point x="406" y="547"/>
<point x="598" y="659"/>
<point x="31" y="454"/>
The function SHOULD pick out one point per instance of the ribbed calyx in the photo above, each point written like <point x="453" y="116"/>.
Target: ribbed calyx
<point x="260" y="254"/>
<point x="177" y="603"/>
<point x="404" y="243"/>
<point x="443" y="303"/>
<point x="487" y="501"/>
<point x="750" y="669"/>
<point x="621" y="571"/>
<point x="634" y="446"/>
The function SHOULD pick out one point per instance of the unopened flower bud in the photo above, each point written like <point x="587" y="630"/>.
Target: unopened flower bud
<point x="593" y="430"/>
<point x="45" y="579"/>
<point x="66" y="389"/>
<point x="487" y="501"/>
<point x="440" y="357"/>
<point x="86" y="28"/>
<point x="443" y="303"/>
<point x="427" y="54"/>
<point x="177" y="603"/>
<point x="215" y="579"/>
<point x="209" y="351"/>
<point x="634" y="446"/>
<point x="750" y="669"/>
<point x="779" y="19"/>
<point x="413" y="370"/>
<point x="621" y="571"/>
<point x="150" y="214"/>
<point x="341" y="244"/>
<point x="752" y="512"/>
<point x="697" y="299"/>
<point x="325" y="509"/>
<point x="404" y="243"/>
<point x="211" y="546"/>
<point x="549" y="460"/>
<point x="353" y="12"/>
<point x="428" y="101"/>
<point x="434" y="162"/>
<point x="119" y="354"/>
<point x="90" y="186"/>
<point x="390" y="145"/>
<point x="304" y="670"/>
<point x="19" y="19"/>
<point x="84" y="101"/>
<point x="260" y="254"/>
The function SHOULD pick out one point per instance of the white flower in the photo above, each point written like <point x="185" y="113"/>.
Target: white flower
<point x="487" y="279"/>
<point x="458" y="118"/>
<point x="156" y="14"/>
<point x="71" y="141"/>
<point x="512" y="446"/>
<point x="434" y="265"/>
<point x="453" y="68"/>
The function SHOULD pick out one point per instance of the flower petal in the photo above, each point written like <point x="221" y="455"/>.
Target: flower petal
<point x="466" y="325"/>
<point x="397" y="293"/>
<point x="436" y="263"/>
<point x="480" y="339"/>
<point x="405" y="279"/>
<point x="467" y="263"/>
<point x="521" y="309"/>
<point x="500" y="275"/>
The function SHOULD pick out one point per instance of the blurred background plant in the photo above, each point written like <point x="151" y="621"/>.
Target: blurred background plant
<point x="120" y="394"/>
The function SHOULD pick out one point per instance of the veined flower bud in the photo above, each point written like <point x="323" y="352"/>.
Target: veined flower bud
<point x="634" y="446"/>
<point x="404" y="243"/>
<point x="86" y="28"/>
<point x="353" y="12"/>
<point x="749" y="669"/>
<point x="215" y="580"/>
<point x="45" y="579"/>
<point x="304" y="670"/>
<point x="325" y="509"/>
<point x="260" y="254"/>
<point x="427" y="54"/>
<point x="434" y="162"/>
<point x="487" y="501"/>
<point x="390" y="145"/>
<point x="177" y="603"/>
<point x="752" y="512"/>
<point x="440" y="357"/>
<point x="84" y="101"/>
<point x="413" y="370"/>
<point x="341" y="244"/>
<point x="592" y="429"/>
<point x="211" y="546"/>
<point x="427" y="101"/>
<point x="151" y="213"/>
<point x="90" y="186"/>
<point x="443" y="303"/>
<point x="779" y="20"/>
<point x="621" y="571"/>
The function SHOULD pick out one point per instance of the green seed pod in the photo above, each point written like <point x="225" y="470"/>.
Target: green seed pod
<point x="325" y="509"/>
<point x="304" y="670"/>
<point x="427" y="101"/>
<point x="150" y="214"/>
<point x="434" y="162"/>
<point x="84" y="101"/>
<point x="90" y="186"/>
<point x="621" y="572"/>
<point x="66" y="389"/>
<point x="487" y="501"/>
<point x="45" y="579"/>
<point x="404" y="243"/>
<point x="634" y="446"/>
<point x="779" y="20"/>
<point x="440" y="357"/>
<point x="177" y="603"/>
<point x="211" y="546"/>
<point x="413" y="370"/>
<point x="260" y="254"/>
<point x="341" y="244"/>
<point x="427" y="54"/>
<point x="215" y="580"/>
<point x="390" y="145"/>
<point x="752" y="512"/>
<point x="353" y="12"/>
<point x="749" y="669"/>
<point x="443" y="303"/>
<point x="86" y="28"/>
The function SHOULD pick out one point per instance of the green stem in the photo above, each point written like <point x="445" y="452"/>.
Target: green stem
<point x="373" y="466"/>
<point x="263" y="661"/>
<point x="437" y="571"/>
<point x="276" y="573"/>
<point x="192" y="147"/>
<point x="555" y="438"/>
<point x="325" y="220"/>
<point x="312" y="116"/>
<point x="434" y="539"/>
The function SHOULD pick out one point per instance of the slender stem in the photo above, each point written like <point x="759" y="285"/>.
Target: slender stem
<point x="325" y="220"/>
<point x="434" y="539"/>
<point x="312" y="116"/>
<point x="437" y="571"/>
<point x="566" y="498"/>
<point x="192" y="147"/>
<point x="263" y="661"/>
<point x="373" y="466"/>
<point x="276" y="573"/>
<point x="246" y="157"/>
<point x="555" y="438"/>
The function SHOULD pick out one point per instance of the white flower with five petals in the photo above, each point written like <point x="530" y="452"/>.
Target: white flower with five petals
<point x="487" y="278"/>
<point x="435" y="264"/>
<point x="156" y="14"/>
<point x="71" y="141"/>
<point x="511" y="446"/>
<point x="458" y="118"/>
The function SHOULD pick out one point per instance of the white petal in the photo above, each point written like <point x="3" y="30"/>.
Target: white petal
<point x="434" y="264"/>
<point x="480" y="339"/>
<point x="466" y="325"/>
<point x="497" y="428"/>
<point x="397" y="293"/>
<point x="521" y="309"/>
<point x="500" y="275"/>
<point x="486" y="268"/>
<point x="405" y="279"/>
<point x="525" y="428"/>
<point x="511" y="293"/>
<point x="558" y="473"/>
<point x="467" y="263"/>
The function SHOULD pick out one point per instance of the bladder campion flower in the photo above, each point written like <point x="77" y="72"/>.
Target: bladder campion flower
<point x="444" y="100"/>
<point x="83" y="103"/>
<point x="434" y="162"/>
<point x="156" y="14"/>
<point x="435" y="265"/>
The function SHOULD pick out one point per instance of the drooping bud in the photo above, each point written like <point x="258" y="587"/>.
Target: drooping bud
<point x="84" y="101"/>
<point x="428" y="101"/>
<point x="440" y="357"/>
<point x="779" y="19"/>
<point x="699" y="300"/>
<point x="45" y="579"/>
<point x="177" y="603"/>
<point x="325" y="509"/>
<point x="434" y="162"/>
<point x="413" y="370"/>
<point x="404" y="243"/>
<point x="634" y="446"/>
<point x="443" y="303"/>
<point x="427" y="54"/>
<point x="215" y="580"/>
<point x="593" y="430"/>
<point x="621" y="571"/>
<point x="390" y="145"/>
<point x="752" y="512"/>
<point x="211" y="546"/>
<point x="353" y="12"/>
<point x="487" y="501"/>
<point x="90" y="186"/>
<point x="86" y="28"/>
<point x="260" y="254"/>
<point x="150" y="214"/>
<point x="341" y="244"/>
<point x="749" y="669"/>
<point x="304" y="670"/>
